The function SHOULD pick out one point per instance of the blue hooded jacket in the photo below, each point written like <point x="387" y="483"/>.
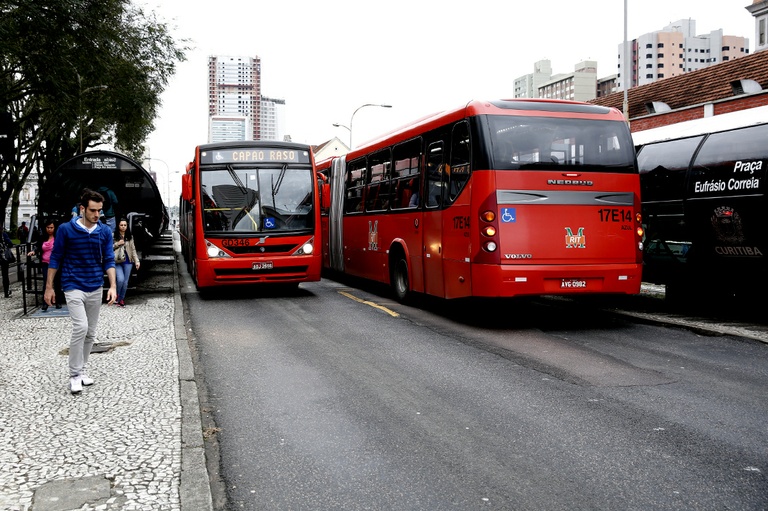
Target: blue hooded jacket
<point x="81" y="257"/>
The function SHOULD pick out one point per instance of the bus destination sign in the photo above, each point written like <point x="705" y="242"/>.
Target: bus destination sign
<point x="252" y="155"/>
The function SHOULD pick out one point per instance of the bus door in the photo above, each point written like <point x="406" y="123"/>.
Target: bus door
<point x="456" y="216"/>
<point x="432" y="231"/>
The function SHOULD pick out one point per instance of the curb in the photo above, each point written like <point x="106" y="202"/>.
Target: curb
<point x="195" y="489"/>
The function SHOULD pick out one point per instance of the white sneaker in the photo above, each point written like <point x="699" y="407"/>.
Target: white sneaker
<point x="86" y="380"/>
<point x="75" y="385"/>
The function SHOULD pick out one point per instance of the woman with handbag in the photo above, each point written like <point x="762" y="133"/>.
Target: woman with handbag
<point x="43" y="250"/>
<point x="6" y="261"/>
<point x="125" y="257"/>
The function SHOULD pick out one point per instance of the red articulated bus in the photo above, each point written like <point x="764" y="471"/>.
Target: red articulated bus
<point x="493" y="199"/>
<point x="249" y="213"/>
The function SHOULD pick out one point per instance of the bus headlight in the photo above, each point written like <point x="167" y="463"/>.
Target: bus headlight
<point x="305" y="249"/>
<point x="214" y="251"/>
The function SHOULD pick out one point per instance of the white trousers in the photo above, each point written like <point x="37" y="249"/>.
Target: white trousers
<point x="84" y="310"/>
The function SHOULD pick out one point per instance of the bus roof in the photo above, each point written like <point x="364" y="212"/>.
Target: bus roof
<point x="480" y="107"/>
<point x="712" y="124"/>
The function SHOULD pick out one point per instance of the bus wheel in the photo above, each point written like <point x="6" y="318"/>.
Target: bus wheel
<point x="400" y="284"/>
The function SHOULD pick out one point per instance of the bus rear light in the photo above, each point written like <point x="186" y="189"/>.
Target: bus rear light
<point x="490" y="246"/>
<point x="640" y="246"/>
<point x="488" y="216"/>
<point x="640" y="232"/>
<point x="639" y="218"/>
<point x="489" y="231"/>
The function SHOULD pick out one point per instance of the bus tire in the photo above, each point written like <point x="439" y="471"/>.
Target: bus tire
<point x="401" y="285"/>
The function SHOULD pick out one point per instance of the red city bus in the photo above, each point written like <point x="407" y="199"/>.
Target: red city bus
<point x="492" y="199"/>
<point x="249" y="213"/>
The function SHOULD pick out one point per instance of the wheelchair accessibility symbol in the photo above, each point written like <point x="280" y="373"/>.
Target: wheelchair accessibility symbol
<point x="269" y="223"/>
<point x="508" y="215"/>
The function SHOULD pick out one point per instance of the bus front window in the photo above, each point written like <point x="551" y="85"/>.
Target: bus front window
<point x="263" y="199"/>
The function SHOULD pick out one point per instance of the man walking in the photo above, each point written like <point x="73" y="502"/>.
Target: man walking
<point x="82" y="252"/>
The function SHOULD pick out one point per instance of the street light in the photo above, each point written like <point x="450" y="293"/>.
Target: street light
<point x="337" y="125"/>
<point x="351" y="120"/>
<point x="80" y="92"/>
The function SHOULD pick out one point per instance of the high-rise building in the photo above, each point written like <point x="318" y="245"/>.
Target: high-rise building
<point x="527" y="86"/>
<point x="272" y="120"/>
<point x="580" y="85"/>
<point x="234" y="98"/>
<point x="674" y="50"/>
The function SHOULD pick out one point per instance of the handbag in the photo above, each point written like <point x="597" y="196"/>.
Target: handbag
<point x="8" y="256"/>
<point x="120" y="254"/>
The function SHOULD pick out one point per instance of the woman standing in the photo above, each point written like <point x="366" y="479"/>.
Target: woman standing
<point x="43" y="251"/>
<point x="125" y="257"/>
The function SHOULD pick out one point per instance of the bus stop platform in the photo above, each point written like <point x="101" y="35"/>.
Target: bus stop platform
<point x="131" y="441"/>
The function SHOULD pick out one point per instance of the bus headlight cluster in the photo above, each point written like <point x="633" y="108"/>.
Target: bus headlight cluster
<point x="489" y="231"/>
<point x="306" y="248"/>
<point x="214" y="251"/>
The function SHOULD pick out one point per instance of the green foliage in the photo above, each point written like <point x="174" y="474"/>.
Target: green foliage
<point x="78" y="73"/>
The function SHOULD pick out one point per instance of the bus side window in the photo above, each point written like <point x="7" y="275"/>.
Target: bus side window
<point x="406" y="180"/>
<point x="434" y="173"/>
<point x="460" y="158"/>
<point x="355" y="186"/>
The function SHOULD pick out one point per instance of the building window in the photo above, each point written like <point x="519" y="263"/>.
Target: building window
<point x="660" y="45"/>
<point x="761" y="32"/>
<point x="660" y="75"/>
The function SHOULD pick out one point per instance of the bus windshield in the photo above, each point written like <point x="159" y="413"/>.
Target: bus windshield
<point x="274" y="199"/>
<point x="547" y="143"/>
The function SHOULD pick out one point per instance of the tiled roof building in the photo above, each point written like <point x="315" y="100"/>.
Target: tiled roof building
<point x="726" y="87"/>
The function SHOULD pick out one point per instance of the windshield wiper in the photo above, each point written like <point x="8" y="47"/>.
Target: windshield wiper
<point x="236" y="179"/>
<point x="276" y="186"/>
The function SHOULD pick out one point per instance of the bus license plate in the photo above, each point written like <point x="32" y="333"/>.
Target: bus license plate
<point x="573" y="284"/>
<point x="266" y="265"/>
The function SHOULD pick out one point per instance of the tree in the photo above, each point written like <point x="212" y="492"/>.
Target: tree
<point x="76" y="73"/>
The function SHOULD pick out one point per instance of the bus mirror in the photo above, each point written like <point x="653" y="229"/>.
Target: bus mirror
<point x="186" y="187"/>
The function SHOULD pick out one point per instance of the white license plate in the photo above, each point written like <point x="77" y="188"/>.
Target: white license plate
<point x="573" y="284"/>
<point x="266" y="265"/>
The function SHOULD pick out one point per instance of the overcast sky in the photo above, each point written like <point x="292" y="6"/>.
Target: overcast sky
<point x="326" y="58"/>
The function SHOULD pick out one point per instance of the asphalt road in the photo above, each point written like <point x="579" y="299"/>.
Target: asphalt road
<point x="332" y="397"/>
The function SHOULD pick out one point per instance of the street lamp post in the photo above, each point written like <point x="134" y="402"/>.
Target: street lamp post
<point x="337" y="125"/>
<point x="351" y="119"/>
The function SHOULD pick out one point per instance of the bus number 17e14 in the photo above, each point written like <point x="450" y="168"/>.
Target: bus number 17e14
<point x="615" y="215"/>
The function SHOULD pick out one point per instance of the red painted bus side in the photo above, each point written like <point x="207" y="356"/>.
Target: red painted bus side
<point x="507" y="232"/>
